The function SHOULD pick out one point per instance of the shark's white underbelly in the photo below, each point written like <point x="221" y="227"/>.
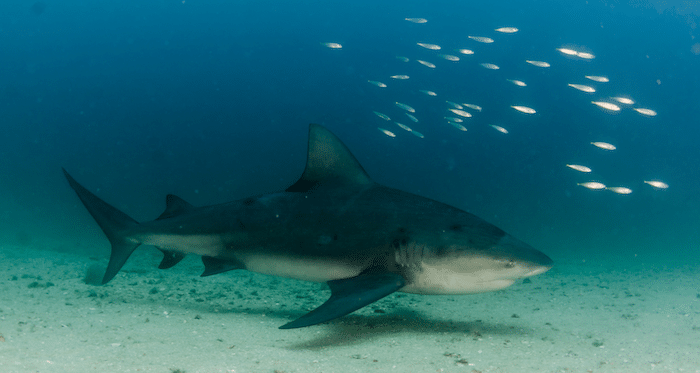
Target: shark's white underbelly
<point x="438" y="280"/>
<point x="306" y="269"/>
<point x="199" y="244"/>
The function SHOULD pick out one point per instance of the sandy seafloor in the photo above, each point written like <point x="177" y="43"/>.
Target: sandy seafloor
<point x="585" y="315"/>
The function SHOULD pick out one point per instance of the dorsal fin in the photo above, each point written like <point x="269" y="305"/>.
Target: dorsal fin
<point x="174" y="205"/>
<point x="328" y="161"/>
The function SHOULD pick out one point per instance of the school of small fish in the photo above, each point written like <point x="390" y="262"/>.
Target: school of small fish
<point x="332" y="45"/>
<point x="464" y="113"/>
<point x="405" y="107"/>
<point x="604" y="145"/>
<point x="426" y="63"/>
<point x="433" y="47"/>
<point x="490" y="66"/>
<point x="519" y="83"/>
<point x="606" y="105"/>
<point x="524" y="109"/>
<point x="538" y="63"/>
<point x="582" y="88"/>
<point x="579" y="168"/>
<point x="499" y="129"/>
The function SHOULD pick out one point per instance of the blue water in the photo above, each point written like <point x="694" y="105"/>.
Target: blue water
<point x="211" y="100"/>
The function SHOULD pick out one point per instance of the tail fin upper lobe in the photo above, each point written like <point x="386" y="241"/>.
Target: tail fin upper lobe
<point x="114" y="224"/>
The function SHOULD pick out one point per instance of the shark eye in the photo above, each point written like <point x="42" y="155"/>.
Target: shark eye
<point x="510" y="264"/>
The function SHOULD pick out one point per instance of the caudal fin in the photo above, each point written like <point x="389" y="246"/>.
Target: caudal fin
<point x="114" y="224"/>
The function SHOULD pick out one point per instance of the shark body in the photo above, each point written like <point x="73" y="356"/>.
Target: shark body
<point x="333" y="225"/>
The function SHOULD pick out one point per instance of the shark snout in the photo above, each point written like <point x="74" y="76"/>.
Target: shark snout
<point x="543" y="262"/>
<point x="532" y="261"/>
<point x="538" y="270"/>
<point x="538" y="262"/>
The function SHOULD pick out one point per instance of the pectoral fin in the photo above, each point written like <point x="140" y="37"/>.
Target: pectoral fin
<point x="349" y="295"/>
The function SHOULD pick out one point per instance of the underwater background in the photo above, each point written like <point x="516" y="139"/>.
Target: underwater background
<point x="211" y="101"/>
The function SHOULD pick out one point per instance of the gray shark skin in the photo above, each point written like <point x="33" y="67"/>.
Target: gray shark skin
<point x="333" y="225"/>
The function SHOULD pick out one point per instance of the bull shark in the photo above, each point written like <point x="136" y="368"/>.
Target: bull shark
<point x="333" y="225"/>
